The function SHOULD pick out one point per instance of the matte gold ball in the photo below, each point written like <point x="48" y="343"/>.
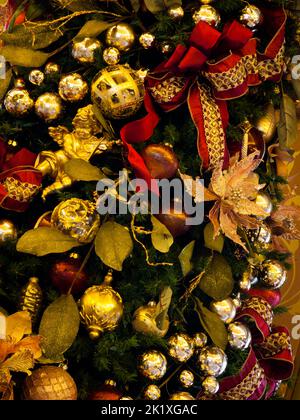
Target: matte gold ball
<point x="84" y="50"/>
<point x="111" y="56"/>
<point x="153" y="365"/>
<point x="52" y="68"/>
<point x="207" y="14"/>
<point x="49" y="383"/>
<point x="251" y="16"/>
<point x="147" y="40"/>
<point x="76" y="218"/>
<point x="152" y="392"/>
<point x="18" y="102"/>
<point x="182" y="396"/>
<point x="118" y="91"/>
<point x="48" y="106"/>
<point x="8" y="231"/>
<point x="72" y="87"/>
<point x="176" y="12"/>
<point x="36" y="77"/>
<point x="181" y="347"/>
<point x="186" y="378"/>
<point x="120" y="36"/>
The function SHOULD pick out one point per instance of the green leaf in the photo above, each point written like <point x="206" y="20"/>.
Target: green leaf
<point x="154" y="6"/>
<point x="217" y="282"/>
<point x="185" y="258"/>
<point x="81" y="170"/>
<point x="93" y="28"/>
<point x="113" y="245"/>
<point x="23" y="57"/>
<point x="172" y="3"/>
<point x="216" y="244"/>
<point x="45" y="240"/>
<point x="59" y="327"/>
<point x="213" y="325"/>
<point x="287" y="127"/>
<point x="161" y="238"/>
<point x="4" y="83"/>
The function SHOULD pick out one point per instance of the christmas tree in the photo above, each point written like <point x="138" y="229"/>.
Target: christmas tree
<point x="167" y="290"/>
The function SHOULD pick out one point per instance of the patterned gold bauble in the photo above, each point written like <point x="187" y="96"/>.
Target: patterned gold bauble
<point x="101" y="308"/>
<point x="239" y="336"/>
<point x="152" y="392"/>
<point x="147" y="40"/>
<point x="266" y="124"/>
<point x="251" y="16"/>
<point x="72" y="87"/>
<point x="176" y="12"/>
<point x="210" y="385"/>
<point x="181" y="347"/>
<point x="200" y="340"/>
<point x="18" y="102"/>
<point x="36" y="77"/>
<point x="186" y="378"/>
<point x="118" y="91"/>
<point x="31" y="298"/>
<point x="48" y="107"/>
<point x="264" y="201"/>
<point x="8" y="231"/>
<point x="77" y="218"/>
<point x="84" y="50"/>
<point x="19" y="83"/>
<point x="207" y="14"/>
<point x="152" y="364"/>
<point x="181" y="396"/>
<point x="213" y="361"/>
<point x="49" y="383"/>
<point x="120" y="36"/>
<point x="226" y="310"/>
<point x="144" y="321"/>
<point x="111" y="56"/>
<point x="52" y="68"/>
<point x="273" y="274"/>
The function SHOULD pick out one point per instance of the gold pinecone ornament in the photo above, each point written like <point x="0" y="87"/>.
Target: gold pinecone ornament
<point x="31" y="298"/>
<point x="49" y="383"/>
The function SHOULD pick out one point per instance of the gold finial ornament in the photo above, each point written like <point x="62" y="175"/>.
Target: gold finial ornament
<point x="31" y="298"/>
<point x="101" y="308"/>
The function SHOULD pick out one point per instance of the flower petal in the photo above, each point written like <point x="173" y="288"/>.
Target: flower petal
<point x="229" y="226"/>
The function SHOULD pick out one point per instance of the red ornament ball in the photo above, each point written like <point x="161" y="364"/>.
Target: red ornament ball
<point x="108" y="391"/>
<point x="174" y="220"/>
<point x="273" y="297"/>
<point x="63" y="273"/>
<point x="160" y="160"/>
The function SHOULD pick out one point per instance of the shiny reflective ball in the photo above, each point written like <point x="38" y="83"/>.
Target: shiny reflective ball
<point x="186" y="378"/>
<point x="147" y="40"/>
<point x="212" y="361"/>
<point x="176" y="12"/>
<point x="225" y="309"/>
<point x="18" y="102"/>
<point x="200" y="340"/>
<point x="181" y="396"/>
<point x="210" y="385"/>
<point x="36" y="77"/>
<point x="120" y="36"/>
<point x="84" y="50"/>
<point x="264" y="201"/>
<point x="111" y="56"/>
<point x="181" y="347"/>
<point x="251" y="16"/>
<point x="72" y="87"/>
<point x="239" y="336"/>
<point x="152" y="392"/>
<point x="273" y="274"/>
<point x="52" y="68"/>
<point x="48" y="107"/>
<point x="153" y="365"/>
<point x="207" y="14"/>
<point x="8" y="231"/>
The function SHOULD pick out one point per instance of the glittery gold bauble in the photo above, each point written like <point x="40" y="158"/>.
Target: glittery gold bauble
<point x="166" y="47"/>
<point x="18" y="102"/>
<point x="84" y="50"/>
<point x="147" y="40"/>
<point x="176" y="12"/>
<point x="251" y="16"/>
<point x="210" y="385"/>
<point x="273" y="274"/>
<point x="36" y="77"/>
<point x="181" y="347"/>
<point x="118" y="91"/>
<point x="77" y="218"/>
<point x="52" y="68"/>
<point x="153" y="365"/>
<point x="101" y="308"/>
<point x="72" y="87"/>
<point x="239" y="336"/>
<point x="19" y="83"/>
<point x="186" y="378"/>
<point x="49" y="383"/>
<point x="31" y="298"/>
<point x="144" y="321"/>
<point x="213" y="361"/>
<point x="152" y="392"/>
<point x="48" y="106"/>
<point x="111" y="56"/>
<point x="120" y="36"/>
<point x="266" y="124"/>
<point x="200" y="340"/>
<point x="226" y="310"/>
<point x="264" y="201"/>
<point x="107" y="392"/>
<point x="207" y="14"/>
<point x="182" y="396"/>
<point x="8" y="231"/>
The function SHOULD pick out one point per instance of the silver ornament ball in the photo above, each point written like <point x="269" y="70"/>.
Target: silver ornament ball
<point x="239" y="336"/>
<point x="226" y="310"/>
<point x="212" y="361"/>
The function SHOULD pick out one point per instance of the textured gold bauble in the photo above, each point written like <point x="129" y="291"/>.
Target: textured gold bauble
<point x="52" y="68"/>
<point x="152" y="392"/>
<point x="147" y="40"/>
<point x="152" y="364"/>
<point x="181" y="347"/>
<point x="120" y="36"/>
<point x="251" y="16"/>
<point x="111" y="56"/>
<point x="239" y="336"/>
<point x="84" y="50"/>
<point x="20" y="83"/>
<point x="182" y="396"/>
<point x="264" y="201"/>
<point x="226" y="310"/>
<point x="49" y="383"/>
<point x="200" y="340"/>
<point x="207" y="14"/>
<point x="77" y="218"/>
<point x="72" y="87"/>
<point x="18" y="102"/>
<point x="48" y="106"/>
<point x="36" y="77"/>
<point x="176" y="12"/>
<point x="101" y="308"/>
<point x="213" y="361"/>
<point x="274" y="274"/>
<point x="144" y="321"/>
<point x="118" y="91"/>
<point x="186" y="378"/>
<point x="8" y="231"/>
<point x="31" y="298"/>
<point x="210" y="385"/>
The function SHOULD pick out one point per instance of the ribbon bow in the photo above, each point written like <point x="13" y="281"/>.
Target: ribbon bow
<point x="213" y="68"/>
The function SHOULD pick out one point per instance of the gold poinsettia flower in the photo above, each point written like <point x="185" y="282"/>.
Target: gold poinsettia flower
<point x="284" y="221"/>
<point x="235" y="191"/>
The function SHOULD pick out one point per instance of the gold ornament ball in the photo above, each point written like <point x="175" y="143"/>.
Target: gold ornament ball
<point x="18" y="102"/>
<point x="225" y="309"/>
<point x="118" y="91"/>
<point x="52" y="68"/>
<point x="31" y="298"/>
<point x="251" y="16"/>
<point x="166" y="48"/>
<point x="153" y="365"/>
<point x="8" y="231"/>
<point x="144" y="321"/>
<point x="213" y="361"/>
<point x="84" y="50"/>
<point x="186" y="378"/>
<point x="72" y="87"/>
<point x="76" y="218"/>
<point x="19" y="83"/>
<point x="49" y="383"/>
<point x="273" y="274"/>
<point x="248" y="278"/>
<point x="147" y="40"/>
<point x="239" y="336"/>
<point x="176" y="12"/>
<point x="36" y="77"/>
<point x="126" y="398"/>
<point x="48" y="106"/>
<point x="264" y="201"/>
<point x="210" y="385"/>
<point x="182" y="396"/>
<point x="261" y="235"/>
<point x="120" y="36"/>
<point x="207" y="14"/>
<point x="111" y="56"/>
<point x="181" y="347"/>
<point x="200" y="340"/>
<point x="152" y="392"/>
<point x="101" y="309"/>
